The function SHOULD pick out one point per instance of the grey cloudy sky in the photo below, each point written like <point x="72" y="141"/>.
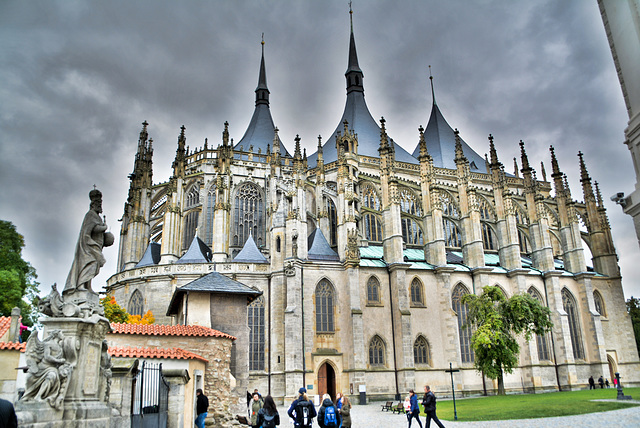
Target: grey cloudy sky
<point x="77" y="78"/>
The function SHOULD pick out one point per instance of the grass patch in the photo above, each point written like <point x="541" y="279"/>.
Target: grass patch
<point x="529" y="406"/>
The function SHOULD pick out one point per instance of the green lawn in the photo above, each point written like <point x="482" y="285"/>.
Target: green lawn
<point x="529" y="406"/>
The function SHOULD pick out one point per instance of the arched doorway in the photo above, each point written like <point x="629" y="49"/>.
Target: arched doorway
<point x="612" y="368"/>
<point x="327" y="380"/>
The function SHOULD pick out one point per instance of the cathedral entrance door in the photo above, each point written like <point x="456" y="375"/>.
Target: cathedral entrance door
<point x="327" y="381"/>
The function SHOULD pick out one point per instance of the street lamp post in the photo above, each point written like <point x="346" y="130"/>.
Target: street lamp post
<point x="453" y="390"/>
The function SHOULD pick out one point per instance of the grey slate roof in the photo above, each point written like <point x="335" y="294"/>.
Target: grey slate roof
<point x="441" y="144"/>
<point x="151" y="255"/>
<point x="250" y="253"/>
<point x="214" y="282"/>
<point x="198" y="252"/>
<point x="319" y="248"/>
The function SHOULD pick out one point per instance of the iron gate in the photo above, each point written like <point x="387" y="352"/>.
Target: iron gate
<point x="150" y="397"/>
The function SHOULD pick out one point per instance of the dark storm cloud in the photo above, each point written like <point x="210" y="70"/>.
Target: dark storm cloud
<point x="78" y="78"/>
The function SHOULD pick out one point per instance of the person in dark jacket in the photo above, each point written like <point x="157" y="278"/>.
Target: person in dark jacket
<point x="326" y="403"/>
<point x="592" y="383"/>
<point x="345" y="412"/>
<point x="415" y="409"/>
<point x="296" y="409"/>
<point x="429" y="404"/>
<point x="7" y="415"/>
<point x="202" y="406"/>
<point x="268" y="410"/>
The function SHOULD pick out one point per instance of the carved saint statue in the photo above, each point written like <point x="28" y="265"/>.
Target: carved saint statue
<point x="88" y="257"/>
<point x="49" y="368"/>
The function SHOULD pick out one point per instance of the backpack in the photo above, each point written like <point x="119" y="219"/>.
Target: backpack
<point x="269" y="421"/>
<point x="330" y="417"/>
<point x="302" y="413"/>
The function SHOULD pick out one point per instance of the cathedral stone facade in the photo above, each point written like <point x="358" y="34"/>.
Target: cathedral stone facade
<point x="346" y="268"/>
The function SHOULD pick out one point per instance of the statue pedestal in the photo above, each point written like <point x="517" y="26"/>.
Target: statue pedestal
<point x="85" y="400"/>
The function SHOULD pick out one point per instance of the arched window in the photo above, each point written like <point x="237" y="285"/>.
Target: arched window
<point x="462" y="310"/>
<point x="248" y="215"/>
<point x="211" y="208"/>
<point x="573" y="316"/>
<point x="190" y="226"/>
<point x="541" y="341"/>
<point x="449" y="209"/>
<point x="411" y="232"/>
<point x="372" y="228"/>
<point x="193" y="197"/>
<point x="452" y="237"/>
<point x="325" y="301"/>
<point x="599" y="302"/>
<point x="370" y="197"/>
<point x="255" y="315"/>
<point x="136" y="304"/>
<point x="489" y="241"/>
<point x="373" y="290"/>
<point x="417" y="292"/>
<point x="421" y="351"/>
<point x="376" y="351"/>
<point x="409" y="203"/>
<point x="525" y="247"/>
<point x="333" y="222"/>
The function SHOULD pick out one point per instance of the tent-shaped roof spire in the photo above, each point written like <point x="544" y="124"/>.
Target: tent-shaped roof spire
<point x="151" y="255"/>
<point x="259" y="133"/>
<point x="250" y="253"/>
<point x="441" y="141"/>
<point x="198" y="252"/>
<point x="319" y="248"/>
<point x="357" y="114"/>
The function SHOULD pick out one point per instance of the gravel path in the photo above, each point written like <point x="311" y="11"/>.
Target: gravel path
<point x="370" y="416"/>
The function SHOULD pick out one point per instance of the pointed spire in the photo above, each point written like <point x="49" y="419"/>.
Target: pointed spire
<point x="424" y="153"/>
<point x="276" y="141"/>
<point x="544" y="171"/>
<point x="225" y="134"/>
<point x="143" y="136"/>
<point x="384" y="140"/>
<point x="433" y="94"/>
<point x="515" y="168"/>
<point x="584" y="175"/>
<point x="599" y="195"/>
<point x="459" y="152"/>
<point x="353" y="74"/>
<point x="493" y="152"/>
<point x="296" y="154"/>
<point x="525" y="159"/>
<point x="565" y="182"/>
<point x="319" y="147"/>
<point x="555" y="169"/>
<point x="262" y="92"/>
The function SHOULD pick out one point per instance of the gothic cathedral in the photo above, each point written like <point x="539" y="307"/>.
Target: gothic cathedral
<point x="346" y="268"/>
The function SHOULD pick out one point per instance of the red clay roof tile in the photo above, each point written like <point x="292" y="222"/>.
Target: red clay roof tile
<point x="13" y="345"/>
<point x="169" y="353"/>
<point x="5" y="324"/>
<point x="168" y="330"/>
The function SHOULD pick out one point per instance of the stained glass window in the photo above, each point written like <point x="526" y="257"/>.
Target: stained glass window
<point x="248" y="215"/>
<point x="376" y="351"/>
<point x="421" y="351"/>
<point x="464" y="332"/>
<point x="255" y="313"/>
<point x="324" y="307"/>
<point x="573" y="316"/>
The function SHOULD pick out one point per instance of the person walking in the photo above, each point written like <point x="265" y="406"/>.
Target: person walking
<point x="268" y="416"/>
<point x="592" y="383"/>
<point x="328" y="416"/>
<point x="256" y="405"/>
<point x="202" y="406"/>
<point x="415" y="409"/>
<point x="345" y="412"/>
<point x="429" y="404"/>
<point x="601" y="382"/>
<point x="302" y="410"/>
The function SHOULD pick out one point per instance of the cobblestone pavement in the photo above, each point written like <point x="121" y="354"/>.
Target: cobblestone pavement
<point x="370" y="416"/>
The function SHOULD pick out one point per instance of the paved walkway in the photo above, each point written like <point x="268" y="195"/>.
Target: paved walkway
<point x="370" y="416"/>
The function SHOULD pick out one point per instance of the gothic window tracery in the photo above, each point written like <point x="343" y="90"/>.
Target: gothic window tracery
<point x="541" y="340"/>
<point x="211" y="207"/>
<point x="370" y="197"/>
<point x="417" y="292"/>
<point x="190" y="227"/>
<point x="573" y="316"/>
<point x="421" y="351"/>
<point x="248" y="218"/>
<point x="599" y="303"/>
<point x="255" y="314"/>
<point x="136" y="304"/>
<point x="464" y="332"/>
<point x="332" y="214"/>
<point x="325" y="300"/>
<point x="409" y="203"/>
<point x="376" y="351"/>
<point x="372" y="227"/>
<point x="489" y="240"/>
<point x="450" y="214"/>
<point x="373" y="290"/>
<point x="193" y="197"/>
<point x="411" y="232"/>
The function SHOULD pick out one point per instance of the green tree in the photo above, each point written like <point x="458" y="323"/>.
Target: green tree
<point x="498" y="322"/>
<point x="633" y="307"/>
<point x="18" y="286"/>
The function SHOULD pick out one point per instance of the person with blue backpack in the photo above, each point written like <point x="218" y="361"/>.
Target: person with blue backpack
<point x="328" y="416"/>
<point x="268" y="416"/>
